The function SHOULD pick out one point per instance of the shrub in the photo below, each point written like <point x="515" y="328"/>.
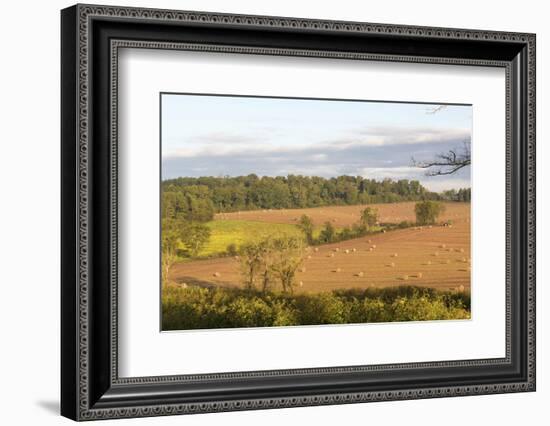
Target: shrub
<point x="200" y="308"/>
<point x="232" y="249"/>
<point x="428" y="211"/>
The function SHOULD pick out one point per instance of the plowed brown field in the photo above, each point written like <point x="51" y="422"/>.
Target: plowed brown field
<point x="437" y="256"/>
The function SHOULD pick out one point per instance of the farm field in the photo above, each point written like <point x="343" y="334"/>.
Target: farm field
<point x="238" y="232"/>
<point x="347" y="215"/>
<point x="436" y="257"/>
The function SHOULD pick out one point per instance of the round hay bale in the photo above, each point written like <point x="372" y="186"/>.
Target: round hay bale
<point x="405" y="277"/>
<point x="419" y="275"/>
<point x="309" y="257"/>
<point x="316" y="249"/>
<point x="374" y="246"/>
<point x="394" y="255"/>
<point x="360" y="274"/>
<point x="353" y="250"/>
<point x="338" y="270"/>
<point x="216" y="274"/>
<point x="436" y="253"/>
<point x="301" y="283"/>
<point x="461" y="288"/>
<point x="370" y="248"/>
<point x="442" y="246"/>
<point x="392" y="265"/>
<point x="429" y="262"/>
<point x="303" y="269"/>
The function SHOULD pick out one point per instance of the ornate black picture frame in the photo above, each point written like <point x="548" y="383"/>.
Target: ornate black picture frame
<point x="91" y="37"/>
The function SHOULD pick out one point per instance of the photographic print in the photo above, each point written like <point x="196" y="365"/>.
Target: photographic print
<point x="292" y="212"/>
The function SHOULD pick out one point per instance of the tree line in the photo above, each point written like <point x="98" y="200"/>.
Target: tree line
<point x="199" y="198"/>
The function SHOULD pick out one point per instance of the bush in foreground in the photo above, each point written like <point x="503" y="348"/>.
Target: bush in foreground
<point x="200" y="308"/>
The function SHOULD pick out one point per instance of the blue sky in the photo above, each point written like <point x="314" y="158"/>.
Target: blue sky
<point x="231" y="136"/>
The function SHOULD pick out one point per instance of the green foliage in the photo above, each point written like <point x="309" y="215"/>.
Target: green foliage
<point x="241" y="232"/>
<point x="328" y="233"/>
<point x="192" y="204"/>
<point x="180" y="238"/>
<point x="369" y="217"/>
<point x="428" y="211"/>
<point x="197" y="198"/>
<point x="306" y="226"/>
<point x="463" y="195"/>
<point x="201" y="308"/>
<point x="232" y="249"/>
<point x="275" y="258"/>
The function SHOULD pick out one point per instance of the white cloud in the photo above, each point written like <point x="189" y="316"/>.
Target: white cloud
<point x="225" y="145"/>
<point x="402" y="172"/>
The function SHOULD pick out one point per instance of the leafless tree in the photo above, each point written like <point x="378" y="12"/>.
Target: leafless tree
<point x="447" y="163"/>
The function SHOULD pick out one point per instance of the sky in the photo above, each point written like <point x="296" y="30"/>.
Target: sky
<point x="209" y="135"/>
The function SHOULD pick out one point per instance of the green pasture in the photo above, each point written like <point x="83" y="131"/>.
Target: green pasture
<point x="239" y="232"/>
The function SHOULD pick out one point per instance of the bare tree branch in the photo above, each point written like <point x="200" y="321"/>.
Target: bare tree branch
<point x="446" y="163"/>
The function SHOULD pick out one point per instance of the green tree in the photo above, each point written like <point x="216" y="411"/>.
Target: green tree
<point x="328" y="234"/>
<point x="306" y="226"/>
<point x="369" y="217"/>
<point x="172" y="235"/>
<point x="195" y="238"/>
<point x="287" y="256"/>
<point x="428" y="211"/>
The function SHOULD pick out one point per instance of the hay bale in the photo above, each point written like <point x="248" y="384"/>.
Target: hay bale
<point x="392" y="265"/>
<point x="419" y="275"/>
<point x="183" y="285"/>
<point x="337" y="249"/>
<point x="429" y="262"/>
<point x="353" y="250"/>
<point x="216" y="274"/>
<point x="360" y="274"/>
<point x="394" y="255"/>
<point x="447" y="261"/>
<point x="331" y="255"/>
<point x="301" y="283"/>
<point x="442" y="246"/>
<point x="309" y="257"/>
<point x="316" y="249"/>
<point x="436" y="253"/>
<point x="374" y="246"/>
<point x="303" y="269"/>
<point x="346" y="251"/>
<point x="405" y="277"/>
<point x="461" y="288"/>
<point x="369" y="241"/>
<point x="370" y="248"/>
<point x="337" y="270"/>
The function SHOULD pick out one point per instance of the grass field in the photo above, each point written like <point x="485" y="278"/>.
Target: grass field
<point x="238" y="232"/>
<point x="436" y="257"/>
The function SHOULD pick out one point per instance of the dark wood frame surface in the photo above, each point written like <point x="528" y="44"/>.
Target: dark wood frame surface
<point x="91" y="37"/>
